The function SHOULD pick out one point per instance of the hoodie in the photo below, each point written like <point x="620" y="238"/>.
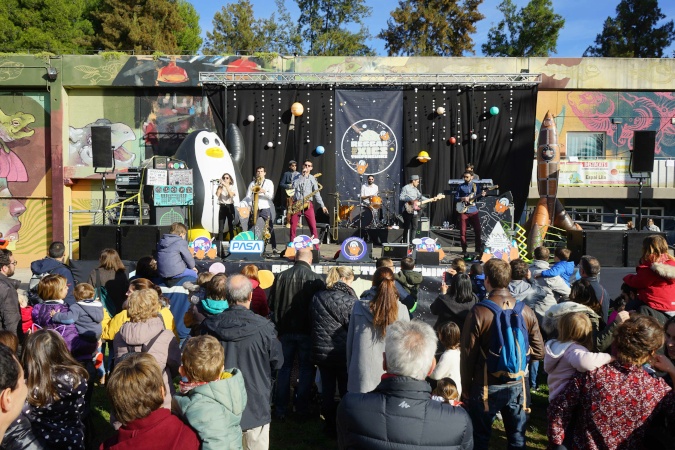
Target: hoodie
<point x="159" y="429"/>
<point x="563" y="359"/>
<point x="560" y="289"/>
<point x="365" y="347"/>
<point x="173" y="256"/>
<point x="538" y="298"/>
<point x="53" y="266"/>
<point x="564" y="269"/>
<point x="87" y="316"/>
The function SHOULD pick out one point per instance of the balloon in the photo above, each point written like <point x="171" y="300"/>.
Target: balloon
<point x="297" y="109"/>
<point x="250" y="118"/>
<point x="452" y="140"/>
<point x="440" y="110"/>
<point x="474" y="136"/>
<point x="494" y="110"/>
<point x="319" y="150"/>
<point x="196" y="233"/>
<point x="270" y="144"/>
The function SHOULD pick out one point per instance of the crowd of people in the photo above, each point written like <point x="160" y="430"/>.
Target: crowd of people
<point x="205" y="359"/>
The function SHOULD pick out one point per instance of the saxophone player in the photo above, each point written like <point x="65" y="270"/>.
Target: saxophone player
<point x="306" y="188"/>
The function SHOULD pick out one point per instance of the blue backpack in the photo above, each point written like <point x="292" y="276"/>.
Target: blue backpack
<point x="509" y="350"/>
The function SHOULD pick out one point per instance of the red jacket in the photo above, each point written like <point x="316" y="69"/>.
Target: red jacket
<point x="159" y="431"/>
<point x="26" y="318"/>
<point x="655" y="283"/>
<point x="259" y="302"/>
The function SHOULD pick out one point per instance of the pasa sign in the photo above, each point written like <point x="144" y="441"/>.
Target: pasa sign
<point x="249" y="247"/>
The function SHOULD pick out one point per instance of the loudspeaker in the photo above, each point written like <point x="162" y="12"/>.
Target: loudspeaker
<point x="394" y="251"/>
<point x="137" y="241"/>
<point x="606" y="245"/>
<point x="166" y="215"/>
<point x="94" y="238"/>
<point x="316" y="256"/>
<point x="634" y="246"/>
<point x="101" y="147"/>
<point x="427" y="258"/>
<point x="644" y="144"/>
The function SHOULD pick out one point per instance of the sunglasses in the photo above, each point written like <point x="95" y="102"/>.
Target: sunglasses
<point x="306" y="165"/>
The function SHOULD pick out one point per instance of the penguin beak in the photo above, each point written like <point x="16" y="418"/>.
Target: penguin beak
<point x="215" y="152"/>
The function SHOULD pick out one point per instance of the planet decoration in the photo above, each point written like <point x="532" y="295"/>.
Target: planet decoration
<point x="452" y="140"/>
<point x="319" y="150"/>
<point x="474" y="136"/>
<point x="494" y="110"/>
<point x="270" y="144"/>
<point x="297" y="109"/>
<point x="440" y="110"/>
<point x="250" y="118"/>
<point x="423" y="157"/>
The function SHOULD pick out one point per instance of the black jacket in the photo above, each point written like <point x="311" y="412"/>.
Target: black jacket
<point x="330" y="311"/>
<point x="51" y="265"/>
<point x="251" y="345"/>
<point x="290" y="297"/>
<point x="19" y="436"/>
<point x="449" y="310"/>
<point x="10" y="316"/>
<point x="399" y="414"/>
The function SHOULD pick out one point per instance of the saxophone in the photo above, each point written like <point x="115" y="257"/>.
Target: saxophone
<point x="301" y="205"/>
<point x="256" y="191"/>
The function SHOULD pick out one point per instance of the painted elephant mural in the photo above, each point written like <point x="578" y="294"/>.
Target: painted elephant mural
<point x="81" y="152"/>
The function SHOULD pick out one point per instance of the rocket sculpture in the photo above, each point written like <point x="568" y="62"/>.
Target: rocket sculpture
<point x="549" y="207"/>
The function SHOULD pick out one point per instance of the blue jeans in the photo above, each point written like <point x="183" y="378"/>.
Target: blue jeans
<point x="300" y="345"/>
<point x="534" y="371"/>
<point x="508" y="399"/>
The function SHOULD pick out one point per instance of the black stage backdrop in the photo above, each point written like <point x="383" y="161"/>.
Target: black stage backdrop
<point x="502" y="151"/>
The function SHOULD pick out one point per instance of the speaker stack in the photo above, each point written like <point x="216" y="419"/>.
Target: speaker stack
<point x="612" y="248"/>
<point x="132" y="242"/>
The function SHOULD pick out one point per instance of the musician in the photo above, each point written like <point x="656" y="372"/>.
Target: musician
<point x="468" y="192"/>
<point x="369" y="190"/>
<point x="227" y="197"/>
<point x="469" y="168"/>
<point x="409" y="194"/>
<point x="265" y="200"/>
<point x="286" y="183"/>
<point x="304" y="184"/>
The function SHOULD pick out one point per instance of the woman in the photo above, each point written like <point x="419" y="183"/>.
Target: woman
<point x="146" y="333"/>
<point x="111" y="275"/>
<point x="608" y="407"/>
<point x="367" y="329"/>
<point x="654" y="279"/>
<point x="259" y="300"/>
<point x="455" y="305"/>
<point x="227" y="196"/>
<point x="330" y="311"/>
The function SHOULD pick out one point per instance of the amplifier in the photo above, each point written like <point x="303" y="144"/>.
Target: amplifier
<point x="128" y="179"/>
<point x="394" y="250"/>
<point x="172" y="195"/>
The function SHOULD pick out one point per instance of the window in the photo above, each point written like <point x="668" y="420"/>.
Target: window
<point x="585" y="213"/>
<point x="585" y="145"/>
<point x="648" y="212"/>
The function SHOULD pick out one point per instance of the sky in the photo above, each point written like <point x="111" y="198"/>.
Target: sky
<point x="583" y="20"/>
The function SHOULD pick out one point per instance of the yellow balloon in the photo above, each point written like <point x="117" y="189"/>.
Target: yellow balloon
<point x="297" y="109"/>
<point x="198" y="232"/>
<point x="423" y="156"/>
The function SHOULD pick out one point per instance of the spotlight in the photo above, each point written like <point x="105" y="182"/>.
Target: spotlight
<point x="52" y="73"/>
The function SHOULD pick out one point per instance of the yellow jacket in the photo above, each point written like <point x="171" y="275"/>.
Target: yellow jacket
<point x="112" y="326"/>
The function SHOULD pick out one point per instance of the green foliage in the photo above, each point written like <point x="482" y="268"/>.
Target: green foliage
<point x="156" y="55"/>
<point x="633" y="33"/>
<point x="110" y="56"/>
<point x="431" y="27"/>
<point x="189" y="38"/>
<point x="235" y="29"/>
<point x="324" y="26"/>
<point x="531" y="31"/>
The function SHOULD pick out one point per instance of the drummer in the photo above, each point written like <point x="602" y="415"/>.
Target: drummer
<point x="369" y="190"/>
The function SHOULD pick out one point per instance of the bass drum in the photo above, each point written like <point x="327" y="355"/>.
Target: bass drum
<point x="366" y="217"/>
<point x="344" y="211"/>
<point x="376" y="202"/>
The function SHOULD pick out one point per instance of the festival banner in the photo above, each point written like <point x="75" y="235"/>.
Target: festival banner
<point x="369" y="134"/>
<point x="610" y="173"/>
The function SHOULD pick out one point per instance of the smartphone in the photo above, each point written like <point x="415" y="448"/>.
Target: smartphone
<point x="447" y="278"/>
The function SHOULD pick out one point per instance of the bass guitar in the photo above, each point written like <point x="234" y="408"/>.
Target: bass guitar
<point x="462" y="207"/>
<point x="415" y="205"/>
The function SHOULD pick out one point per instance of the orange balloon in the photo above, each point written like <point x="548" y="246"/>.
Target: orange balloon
<point x="452" y="140"/>
<point x="297" y="109"/>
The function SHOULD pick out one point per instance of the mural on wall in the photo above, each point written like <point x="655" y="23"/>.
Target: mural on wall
<point x="81" y="150"/>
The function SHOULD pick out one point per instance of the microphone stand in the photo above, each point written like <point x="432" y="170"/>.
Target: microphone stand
<point x="360" y="206"/>
<point x="216" y="212"/>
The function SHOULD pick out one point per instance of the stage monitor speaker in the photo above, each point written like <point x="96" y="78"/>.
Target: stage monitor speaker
<point x="606" y="245"/>
<point x="166" y="215"/>
<point x="94" y="238"/>
<point x="422" y="228"/>
<point x="101" y="147"/>
<point x="644" y="144"/>
<point x="394" y="251"/>
<point x="316" y="256"/>
<point x="427" y="258"/>
<point x="634" y="246"/>
<point x="137" y="241"/>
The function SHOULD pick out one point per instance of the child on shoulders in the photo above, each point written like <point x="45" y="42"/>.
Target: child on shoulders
<point x="174" y="258"/>
<point x="563" y="267"/>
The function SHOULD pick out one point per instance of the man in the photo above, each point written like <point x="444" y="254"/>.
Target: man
<point x="410" y="194"/>
<point x="287" y="183"/>
<point x="13" y="389"/>
<point x="290" y="299"/>
<point x="560" y="290"/>
<point x="399" y="413"/>
<point x="251" y="345"/>
<point x="505" y="397"/>
<point x="369" y="190"/>
<point x="467" y="192"/>
<point x="54" y="263"/>
<point x="469" y="168"/>
<point x="265" y="204"/>
<point x="651" y="226"/>
<point x="305" y="185"/>
<point x="589" y="269"/>
<point x="10" y="315"/>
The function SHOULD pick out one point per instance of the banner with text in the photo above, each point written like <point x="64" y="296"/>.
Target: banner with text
<point x="596" y="173"/>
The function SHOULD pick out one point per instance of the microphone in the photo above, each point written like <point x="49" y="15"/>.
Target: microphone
<point x="217" y="180"/>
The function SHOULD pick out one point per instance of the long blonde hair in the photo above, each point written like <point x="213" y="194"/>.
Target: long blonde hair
<point x="336" y="274"/>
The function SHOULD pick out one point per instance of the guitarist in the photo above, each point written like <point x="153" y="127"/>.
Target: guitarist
<point x="286" y="183"/>
<point x="410" y="193"/>
<point x="467" y="192"/>
<point x="305" y="184"/>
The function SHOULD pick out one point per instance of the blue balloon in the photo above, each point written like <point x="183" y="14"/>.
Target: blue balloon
<point x="494" y="110"/>
<point x="320" y="150"/>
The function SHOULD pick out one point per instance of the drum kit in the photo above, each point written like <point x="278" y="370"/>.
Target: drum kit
<point x="378" y="212"/>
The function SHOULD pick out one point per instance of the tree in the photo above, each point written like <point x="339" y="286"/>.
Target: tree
<point x="139" y="25"/>
<point x="634" y="32"/>
<point x="189" y="38"/>
<point x="532" y="31"/>
<point x="431" y="27"/>
<point x="10" y="32"/>
<point x="323" y="25"/>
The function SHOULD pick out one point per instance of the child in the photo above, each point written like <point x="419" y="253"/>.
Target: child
<point x="569" y="353"/>
<point x="56" y="388"/>
<point x="478" y="281"/>
<point x="446" y="392"/>
<point x="174" y="259"/>
<point x="619" y="303"/>
<point x="448" y="364"/>
<point x="26" y="311"/>
<point x="559" y="288"/>
<point x="52" y="289"/>
<point x="562" y="266"/>
<point x="87" y="315"/>
<point x="409" y="279"/>
<point x="214" y="303"/>
<point x="9" y="340"/>
<point x="211" y="395"/>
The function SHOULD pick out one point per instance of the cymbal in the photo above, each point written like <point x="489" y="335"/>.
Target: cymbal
<point x="349" y="201"/>
<point x="387" y="192"/>
<point x="336" y="194"/>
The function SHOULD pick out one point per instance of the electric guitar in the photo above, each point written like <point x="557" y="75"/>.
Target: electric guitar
<point x="415" y="205"/>
<point x="462" y="207"/>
